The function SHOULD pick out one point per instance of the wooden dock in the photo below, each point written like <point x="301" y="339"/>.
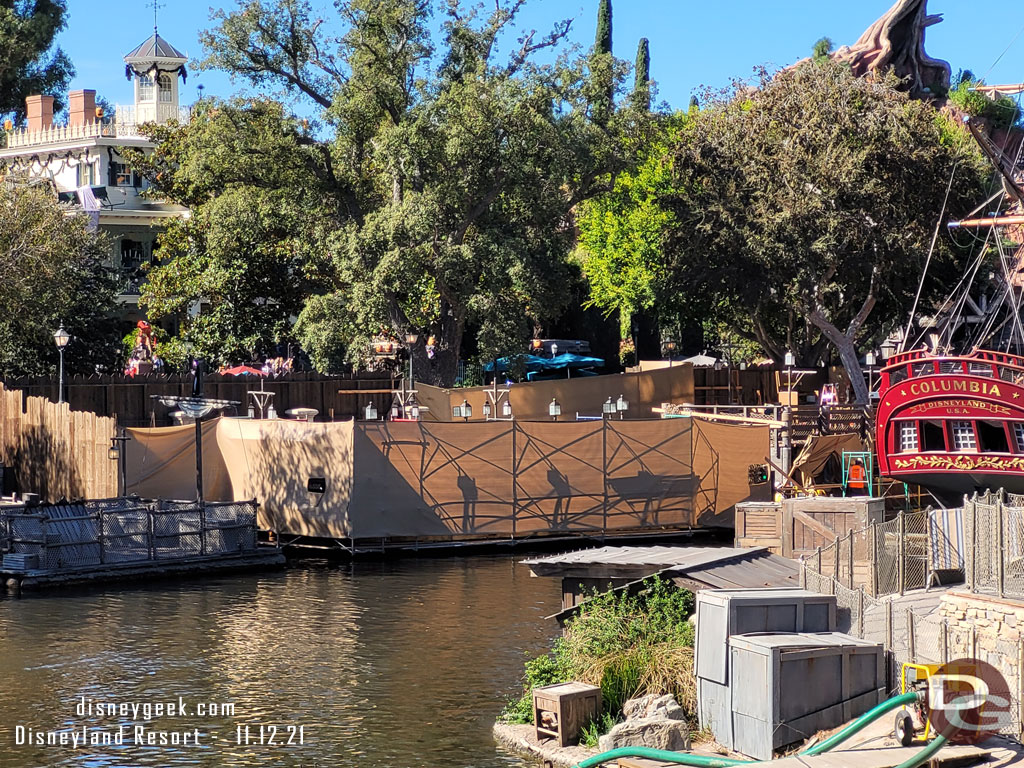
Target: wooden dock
<point x="127" y="538"/>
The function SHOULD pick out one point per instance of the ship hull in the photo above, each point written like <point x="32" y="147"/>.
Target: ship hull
<point x="954" y="425"/>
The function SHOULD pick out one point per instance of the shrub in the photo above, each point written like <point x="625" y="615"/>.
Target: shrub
<point x="629" y="645"/>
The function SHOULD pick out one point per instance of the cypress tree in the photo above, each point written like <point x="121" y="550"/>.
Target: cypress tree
<point x="642" y="81"/>
<point x="602" y="66"/>
<point x="603" y="43"/>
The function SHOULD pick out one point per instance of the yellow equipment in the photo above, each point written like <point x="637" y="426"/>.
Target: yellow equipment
<point x="914" y="677"/>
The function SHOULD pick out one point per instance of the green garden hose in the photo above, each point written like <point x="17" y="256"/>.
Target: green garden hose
<point x="706" y="761"/>
<point x="867" y="718"/>
<point x="683" y="758"/>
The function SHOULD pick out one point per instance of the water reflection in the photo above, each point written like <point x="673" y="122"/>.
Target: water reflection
<point x="400" y="663"/>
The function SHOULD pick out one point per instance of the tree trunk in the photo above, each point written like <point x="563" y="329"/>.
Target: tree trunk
<point x="844" y="343"/>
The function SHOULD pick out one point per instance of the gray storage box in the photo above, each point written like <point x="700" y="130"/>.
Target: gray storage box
<point x="724" y="612"/>
<point x="714" y="708"/>
<point x="796" y="685"/>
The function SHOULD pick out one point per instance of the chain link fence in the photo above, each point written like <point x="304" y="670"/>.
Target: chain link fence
<point x="911" y="637"/>
<point x="94" y="533"/>
<point x="994" y="529"/>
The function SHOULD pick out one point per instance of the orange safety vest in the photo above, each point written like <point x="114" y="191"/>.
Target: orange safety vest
<point x="857" y="476"/>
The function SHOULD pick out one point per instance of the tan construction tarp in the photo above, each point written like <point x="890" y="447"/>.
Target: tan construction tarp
<point x="273" y="462"/>
<point x="500" y="478"/>
<point x="160" y="463"/>
<point x="818" y="450"/>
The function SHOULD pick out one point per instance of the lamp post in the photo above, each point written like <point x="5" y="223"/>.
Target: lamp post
<point x="116" y="452"/>
<point x="554" y="409"/>
<point x="870" y="359"/>
<point x="790" y="362"/>
<point x="464" y="411"/>
<point x="487" y="410"/>
<point x="670" y="347"/>
<point x="61" y="339"/>
<point x="410" y="342"/>
<point x="621" y="405"/>
<point x="608" y="408"/>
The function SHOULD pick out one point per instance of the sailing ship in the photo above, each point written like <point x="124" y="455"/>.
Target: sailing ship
<point x="954" y="423"/>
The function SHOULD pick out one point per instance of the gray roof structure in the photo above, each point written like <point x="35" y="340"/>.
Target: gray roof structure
<point x="692" y="568"/>
<point x="155" y="48"/>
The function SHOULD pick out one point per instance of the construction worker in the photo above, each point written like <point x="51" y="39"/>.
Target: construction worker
<point x="857" y="482"/>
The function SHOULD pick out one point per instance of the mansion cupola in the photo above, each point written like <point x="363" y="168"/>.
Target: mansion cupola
<point x="154" y="67"/>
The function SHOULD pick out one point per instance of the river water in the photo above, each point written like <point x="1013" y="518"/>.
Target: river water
<point x="399" y="663"/>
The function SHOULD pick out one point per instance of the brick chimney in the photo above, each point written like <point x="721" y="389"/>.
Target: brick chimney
<point x="81" y="107"/>
<point x="40" y="112"/>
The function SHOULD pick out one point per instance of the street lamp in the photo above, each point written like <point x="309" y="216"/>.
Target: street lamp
<point x="554" y="409"/>
<point x="871" y="360"/>
<point x="506" y="409"/>
<point x="608" y="409"/>
<point x="116" y="452"/>
<point x="790" y="362"/>
<point x="410" y="342"/>
<point x="464" y="411"/>
<point x="487" y="410"/>
<point x="61" y="339"/>
<point x="670" y="347"/>
<point x="621" y="405"/>
<point x="371" y="412"/>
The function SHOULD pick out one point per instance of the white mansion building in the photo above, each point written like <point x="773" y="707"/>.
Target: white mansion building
<point x="81" y="158"/>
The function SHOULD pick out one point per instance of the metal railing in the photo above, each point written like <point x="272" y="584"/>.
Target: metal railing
<point x="96" y="533"/>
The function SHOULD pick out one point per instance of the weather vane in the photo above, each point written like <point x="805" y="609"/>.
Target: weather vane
<point x="156" y="6"/>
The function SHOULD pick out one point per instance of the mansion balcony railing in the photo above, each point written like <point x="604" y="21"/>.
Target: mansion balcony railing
<point x="126" y="123"/>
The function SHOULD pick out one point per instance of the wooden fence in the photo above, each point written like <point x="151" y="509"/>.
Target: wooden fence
<point x="54" y="451"/>
<point x="129" y="399"/>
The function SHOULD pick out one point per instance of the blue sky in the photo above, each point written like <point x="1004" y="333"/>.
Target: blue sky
<point x="692" y="43"/>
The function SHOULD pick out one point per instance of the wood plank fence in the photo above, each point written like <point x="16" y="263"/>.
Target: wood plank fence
<point x="51" y="450"/>
<point x="129" y="399"/>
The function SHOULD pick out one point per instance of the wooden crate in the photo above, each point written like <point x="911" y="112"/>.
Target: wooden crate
<point x="560" y="711"/>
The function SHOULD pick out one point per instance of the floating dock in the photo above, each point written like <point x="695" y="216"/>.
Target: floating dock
<point x="128" y="538"/>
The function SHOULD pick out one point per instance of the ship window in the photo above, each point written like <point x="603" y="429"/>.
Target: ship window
<point x="963" y="436"/>
<point x="1018" y="436"/>
<point x="908" y="436"/>
<point x="992" y="437"/>
<point x="932" y="436"/>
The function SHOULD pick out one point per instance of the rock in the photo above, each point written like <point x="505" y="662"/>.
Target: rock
<point x="651" y="721"/>
<point x="652" y="705"/>
<point x="654" y="732"/>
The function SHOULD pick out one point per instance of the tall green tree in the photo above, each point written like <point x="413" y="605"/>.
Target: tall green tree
<point x="642" y="76"/>
<point x="803" y="210"/>
<point x="54" y="273"/>
<point x="454" y="170"/>
<point x="254" y="247"/>
<point x="602" y="64"/>
<point x="622" y="234"/>
<point x="30" y="63"/>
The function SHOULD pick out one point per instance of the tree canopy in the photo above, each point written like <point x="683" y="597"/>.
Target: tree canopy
<point x="30" y="64"/>
<point x="54" y="272"/>
<point x="254" y="245"/>
<point x="805" y="205"/>
<point x="448" y="172"/>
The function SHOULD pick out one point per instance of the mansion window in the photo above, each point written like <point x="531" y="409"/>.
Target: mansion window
<point x="908" y="436"/>
<point x="145" y="88"/>
<point x="963" y="436"/>
<point x="86" y="175"/>
<point x="164" y="81"/>
<point x="123" y="176"/>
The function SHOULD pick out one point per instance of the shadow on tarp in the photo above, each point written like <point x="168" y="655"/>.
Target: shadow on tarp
<point x="475" y="480"/>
